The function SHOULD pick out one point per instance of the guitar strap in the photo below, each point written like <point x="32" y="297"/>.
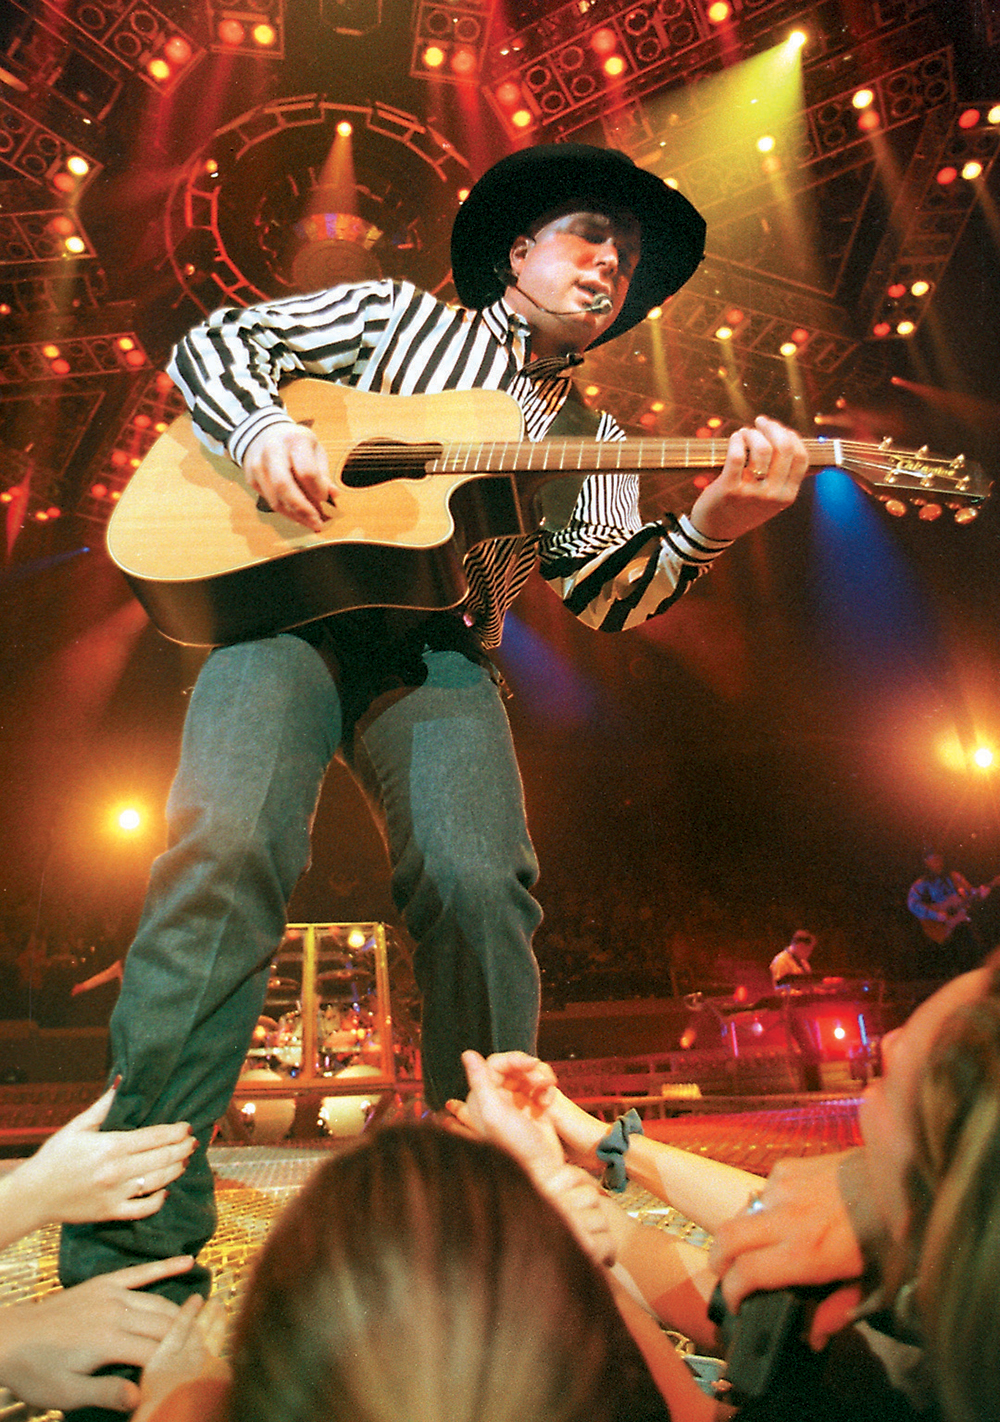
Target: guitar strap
<point x="575" y="418"/>
<point x="558" y="498"/>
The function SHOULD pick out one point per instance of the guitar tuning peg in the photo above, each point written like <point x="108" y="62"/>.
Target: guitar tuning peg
<point x="923" y="451"/>
<point x="885" y="442"/>
<point x="958" y="462"/>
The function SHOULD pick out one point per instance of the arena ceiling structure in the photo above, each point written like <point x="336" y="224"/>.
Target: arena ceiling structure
<point x="159" y="161"/>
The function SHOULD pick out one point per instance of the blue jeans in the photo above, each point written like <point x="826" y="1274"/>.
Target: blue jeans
<point x="437" y="765"/>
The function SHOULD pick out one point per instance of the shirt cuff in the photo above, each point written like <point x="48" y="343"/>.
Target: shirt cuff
<point x="695" y="546"/>
<point x="251" y="427"/>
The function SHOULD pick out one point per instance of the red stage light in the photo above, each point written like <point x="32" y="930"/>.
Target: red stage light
<point x="99" y="491"/>
<point x="141" y="422"/>
<point x="881" y="329"/>
<point x="60" y="366"/>
<point x="464" y="61"/>
<point x="177" y="50"/>
<point x="64" y="183"/>
<point x="969" y="118"/>
<point x="869" y="121"/>
<point x="231" y="32"/>
<point x="508" y="94"/>
<point x="897" y="290"/>
<point x="603" y="41"/>
<point x="135" y="358"/>
<point x="800" y="335"/>
<point x="946" y="176"/>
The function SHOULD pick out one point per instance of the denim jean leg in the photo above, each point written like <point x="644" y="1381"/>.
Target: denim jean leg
<point x="262" y="726"/>
<point x="440" y="764"/>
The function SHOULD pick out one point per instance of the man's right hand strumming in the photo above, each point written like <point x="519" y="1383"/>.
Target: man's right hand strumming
<point x="287" y="466"/>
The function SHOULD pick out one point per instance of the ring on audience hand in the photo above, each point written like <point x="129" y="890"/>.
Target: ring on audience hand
<point x="141" y="1184"/>
<point x="760" y="475"/>
<point x="755" y="1204"/>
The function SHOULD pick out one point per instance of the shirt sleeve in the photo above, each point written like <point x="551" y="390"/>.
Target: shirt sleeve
<point x="610" y="569"/>
<point x="229" y="369"/>
<point x="918" y="902"/>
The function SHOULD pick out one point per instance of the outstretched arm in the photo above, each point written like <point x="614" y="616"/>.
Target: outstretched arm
<point x="498" y="1110"/>
<point x="50" y="1347"/>
<point x="82" y="1174"/>
<point x="704" y="1191"/>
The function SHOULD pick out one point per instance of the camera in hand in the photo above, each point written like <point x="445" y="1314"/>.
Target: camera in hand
<point x="765" y="1341"/>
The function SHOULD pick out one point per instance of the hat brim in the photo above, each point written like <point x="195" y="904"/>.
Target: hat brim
<point x="512" y="195"/>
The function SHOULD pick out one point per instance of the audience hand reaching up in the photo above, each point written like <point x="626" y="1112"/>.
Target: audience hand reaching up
<point x="50" y="1347"/>
<point x="506" y="1105"/>
<point x="82" y="1174"/>
<point x="187" y="1367"/>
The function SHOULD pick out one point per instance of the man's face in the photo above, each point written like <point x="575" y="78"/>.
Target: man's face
<point x="886" y="1116"/>
<point x="564" y="264"/>
<point x="935" y="864"/>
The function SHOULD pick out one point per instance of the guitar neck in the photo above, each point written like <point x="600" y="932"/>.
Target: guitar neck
<point x="572" y="455"/>
<point x="876" y="467"/>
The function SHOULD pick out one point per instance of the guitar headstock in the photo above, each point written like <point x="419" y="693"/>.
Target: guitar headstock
<point x="903" y="478"/>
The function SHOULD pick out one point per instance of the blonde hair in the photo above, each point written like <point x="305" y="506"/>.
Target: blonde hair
<point x="420" y="1277"/>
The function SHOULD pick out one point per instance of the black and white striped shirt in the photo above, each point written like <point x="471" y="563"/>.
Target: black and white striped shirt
<point x="610" y="569"/>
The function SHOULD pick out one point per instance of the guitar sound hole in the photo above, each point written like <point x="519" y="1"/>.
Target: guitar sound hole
<point x="377" y="461"/>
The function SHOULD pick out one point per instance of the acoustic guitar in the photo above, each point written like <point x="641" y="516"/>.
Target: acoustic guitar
<point x="425" y="478"/>
<point x="939" y="930"/>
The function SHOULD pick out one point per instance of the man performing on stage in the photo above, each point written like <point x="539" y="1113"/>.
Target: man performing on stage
<point x="555" y="250"/>
<point x="940" y="901"/>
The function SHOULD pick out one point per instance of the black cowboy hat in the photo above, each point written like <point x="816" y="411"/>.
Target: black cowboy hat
<point x="512" y="195"/>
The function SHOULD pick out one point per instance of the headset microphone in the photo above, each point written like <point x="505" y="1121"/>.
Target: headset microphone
<point x="598" y="304"/>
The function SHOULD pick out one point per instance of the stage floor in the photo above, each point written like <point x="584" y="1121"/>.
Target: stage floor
<point x="254" y="1182"/>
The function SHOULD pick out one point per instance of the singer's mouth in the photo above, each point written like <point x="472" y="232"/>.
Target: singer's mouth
<point x="595" y="293"/>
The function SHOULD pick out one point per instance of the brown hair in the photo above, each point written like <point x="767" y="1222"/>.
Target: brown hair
<point x="420" y="1277"/>
<point x="955" y="1194"/>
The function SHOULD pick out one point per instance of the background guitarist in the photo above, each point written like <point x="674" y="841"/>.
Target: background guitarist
<point x="556" y="249"/>
<point x="940" y="900"/>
